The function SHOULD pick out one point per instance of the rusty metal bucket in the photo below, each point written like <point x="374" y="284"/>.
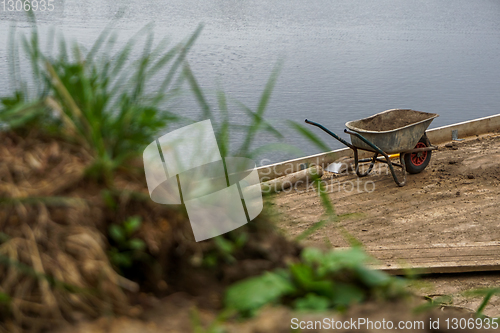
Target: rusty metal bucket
<point x="393" y="131"/>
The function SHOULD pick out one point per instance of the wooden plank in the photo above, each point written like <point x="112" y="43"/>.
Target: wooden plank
<point x="437" y="258"/>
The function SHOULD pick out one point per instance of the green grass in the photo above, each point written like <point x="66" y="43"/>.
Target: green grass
<point x="221" y="120"/>
<point x="97" y="98"/>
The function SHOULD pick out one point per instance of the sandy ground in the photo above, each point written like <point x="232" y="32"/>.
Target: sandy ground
<point x="454" y="200"/>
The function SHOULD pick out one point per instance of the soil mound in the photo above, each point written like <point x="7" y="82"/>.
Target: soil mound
<point x="56" y="221"/>
<point x="390" y="120"/>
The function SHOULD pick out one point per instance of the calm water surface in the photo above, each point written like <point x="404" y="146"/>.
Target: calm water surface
<point x="343" y="60"/>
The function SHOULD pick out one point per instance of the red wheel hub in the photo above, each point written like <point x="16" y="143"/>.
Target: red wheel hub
<point x="419" y="157"/>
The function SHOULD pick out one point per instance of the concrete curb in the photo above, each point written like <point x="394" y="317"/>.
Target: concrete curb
<point x="437" y="136"/>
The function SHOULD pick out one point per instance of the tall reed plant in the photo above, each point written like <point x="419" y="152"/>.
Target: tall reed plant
<point x="103" y="99"/>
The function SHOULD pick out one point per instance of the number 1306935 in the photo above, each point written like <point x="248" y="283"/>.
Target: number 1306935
<point x="27" y="5"/>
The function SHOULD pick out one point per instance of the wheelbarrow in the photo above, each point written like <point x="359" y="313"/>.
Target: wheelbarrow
<point x="396" y="131"/>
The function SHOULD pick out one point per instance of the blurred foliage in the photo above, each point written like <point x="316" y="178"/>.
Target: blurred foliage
<point x="309" y="135"/>
<point x="98" y="98"/>
<point x="222" y="122"/>
<point x="329" y="217"/>
<point x="214" y="327"/>
<point x="319" y="281"/>
<point x="434" y="301"/>
<point x="224" y="249"/>
<point x="438" y="301"/>
<point x="125" y="247"/>
<point x="486" y="294"/>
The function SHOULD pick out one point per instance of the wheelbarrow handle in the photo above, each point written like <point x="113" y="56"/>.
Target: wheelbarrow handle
<point x="329" y="132"/>
<point x="362" y="138"/>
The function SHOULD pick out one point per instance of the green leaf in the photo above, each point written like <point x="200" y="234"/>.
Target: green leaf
<point x="180" y="59"/>
<point x="4" y="298"/>
<point x="132" y="224"/>
<point x="310" y="230"/>
<point x="266" y="94"/>
<point x="347" y="294"/>
<point x="251" y="294"/>
<point x="302" y="274"/>
<point x="372" y="278"/>
<point x="116" y="233"/>
<point x="224" y="245"/>
<point x="210" y="260"/>
<point x="137" y="244"/>
<point x="9" y="102"/>
<point x="337" y="260"/>
<point x="108" y="199"/>
<point x="309" y="135"/>
<point x="311" y="255"/>
<point x="487" y="293"/>
<point x="434" y="303"/>
<point x="325" y="200"/>
<point x="241" y="240"/>
<point x="312" y="302"/>
<point x="20" y="113"/>
<point x="223" y="130"/>
<point x="198" y="93"/>
<point x="258" y="120"/>
<point x="122" y="259"/>
<point x="307" y="280"/>
<point x="259" y="114"/>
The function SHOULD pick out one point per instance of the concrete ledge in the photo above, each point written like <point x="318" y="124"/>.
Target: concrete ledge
<point x="272" y="171"/>
<point x="437" y="136"/>
<point x="465" y="129"/>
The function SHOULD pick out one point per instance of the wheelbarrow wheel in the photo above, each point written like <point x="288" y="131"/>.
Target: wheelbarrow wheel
<point x="417" y="162"/>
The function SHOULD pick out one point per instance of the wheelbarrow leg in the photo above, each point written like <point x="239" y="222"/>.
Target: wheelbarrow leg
<point x="381" y="152"/>
<point x="356" y="163"/>
<point x="403" y="167"/>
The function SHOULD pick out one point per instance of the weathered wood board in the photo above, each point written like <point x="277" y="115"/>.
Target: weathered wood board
<point x="438" y="258"/>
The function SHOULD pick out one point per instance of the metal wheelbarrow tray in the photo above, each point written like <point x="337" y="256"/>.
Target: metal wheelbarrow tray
<point x="396" y="131"/>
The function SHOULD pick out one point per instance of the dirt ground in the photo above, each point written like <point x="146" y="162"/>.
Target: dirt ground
<point x="177" y="313"/>
<point x="454" y="200"/>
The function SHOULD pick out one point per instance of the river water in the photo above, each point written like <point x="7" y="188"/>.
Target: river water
<point x="343" y="59"/>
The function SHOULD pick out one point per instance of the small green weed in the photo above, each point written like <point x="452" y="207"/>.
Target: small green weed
<point x="486" y="294"/>
<point x="225" y="249"/>
<point x="214" y="327"/>
<point x="434" y="302"/>
<point x="321" y="280"/>
<point x="126" y="249"/>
